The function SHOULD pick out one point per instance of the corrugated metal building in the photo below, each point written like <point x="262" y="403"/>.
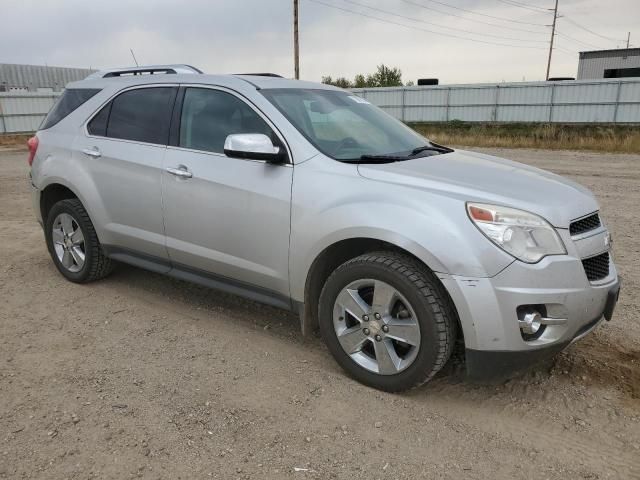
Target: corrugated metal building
<point x="574" y="101"/>
<point x="37" y="78"/>
<point x="618" y="63"/>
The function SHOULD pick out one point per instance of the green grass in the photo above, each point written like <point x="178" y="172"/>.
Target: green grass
<point x="603" y="138"/>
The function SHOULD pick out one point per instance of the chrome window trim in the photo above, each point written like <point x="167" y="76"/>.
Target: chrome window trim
<point x="85" y="126"/>
<point x="238" y="95"/>
<point x="253" y="107"/>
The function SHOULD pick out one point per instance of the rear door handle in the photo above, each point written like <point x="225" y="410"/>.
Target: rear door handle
<point x="180" y="171"/>
<point x="92" y="152"/>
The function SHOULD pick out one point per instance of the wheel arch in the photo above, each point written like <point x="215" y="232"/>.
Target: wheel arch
<point x="52" y="194"/>
<point x="337" y="253"/>
<point x="57" y="189"/>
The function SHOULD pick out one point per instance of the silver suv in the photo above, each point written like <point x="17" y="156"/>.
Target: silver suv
<point x="309" y="198"/>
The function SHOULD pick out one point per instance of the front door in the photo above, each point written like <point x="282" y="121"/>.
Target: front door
<point x="225" y="217"/>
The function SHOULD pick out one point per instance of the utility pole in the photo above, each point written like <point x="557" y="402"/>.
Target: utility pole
<point x="628" y="38"/>
<point x="553" y="34"/>
<point x="296" y="45"/>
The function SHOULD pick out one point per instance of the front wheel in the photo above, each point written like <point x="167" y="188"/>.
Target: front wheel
<point x="387" y="321"/>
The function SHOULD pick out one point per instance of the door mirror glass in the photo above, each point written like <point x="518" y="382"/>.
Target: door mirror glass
<point x="255" y="146"/>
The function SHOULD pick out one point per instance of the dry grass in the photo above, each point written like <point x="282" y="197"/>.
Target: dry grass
<point x="602" y="138"/>
<point x="618" y="139"/>
<point x="17" y="140"/>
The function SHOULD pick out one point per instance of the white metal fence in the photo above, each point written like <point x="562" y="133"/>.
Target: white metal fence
<point x="23" y="111"/>
<point x="586" y="101"/>
<point x="581" y="101"/>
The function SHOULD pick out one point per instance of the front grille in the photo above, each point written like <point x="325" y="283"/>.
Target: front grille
<point x="596" y="267"/>
<point x="584" y="224"/>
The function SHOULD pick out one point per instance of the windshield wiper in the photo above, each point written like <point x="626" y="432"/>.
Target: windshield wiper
<point x="375" y="159"/>
<point x="434" y="147"/>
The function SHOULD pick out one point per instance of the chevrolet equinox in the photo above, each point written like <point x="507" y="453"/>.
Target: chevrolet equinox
<point x="307" y="197"/>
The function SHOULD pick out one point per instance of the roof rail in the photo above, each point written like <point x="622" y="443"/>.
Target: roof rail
<point x="144" y="70"/>
<point x="261" y="74"/>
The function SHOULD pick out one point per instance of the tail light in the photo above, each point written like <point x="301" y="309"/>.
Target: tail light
<point x="32" y="143"/>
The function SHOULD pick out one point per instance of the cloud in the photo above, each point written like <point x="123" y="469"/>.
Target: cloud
<point x="253" y="35"/>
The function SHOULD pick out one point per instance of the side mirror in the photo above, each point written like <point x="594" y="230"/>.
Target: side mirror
<point x="254" y="146"/>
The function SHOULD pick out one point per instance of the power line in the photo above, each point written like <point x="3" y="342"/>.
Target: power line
<point x="564" y="50"/>
<point x="591" y="31"/>
<point x="575" y="40"/>
<point x="474" y="19"/>
<point x="440" y="26"/>
<point x="422" y="29"/>
<point x="513" y="3"/>
<point x="475" y="13"/>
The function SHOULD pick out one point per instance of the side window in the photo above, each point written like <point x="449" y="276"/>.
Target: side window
<point x="98" y="124"/>
<point x="209" y="116"/>
<point x="69" y="100"/>
<point x="142" y="115"/>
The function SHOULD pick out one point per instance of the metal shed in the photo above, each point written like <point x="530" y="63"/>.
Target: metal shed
<point x="37" y="78"/>
<point x="617" y="63"/>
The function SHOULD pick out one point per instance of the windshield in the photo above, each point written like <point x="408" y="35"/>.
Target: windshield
<point x="344" y="126"/>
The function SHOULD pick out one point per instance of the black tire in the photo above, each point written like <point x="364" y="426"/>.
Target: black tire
<point x="436" y="317"/>
<point x="96" y="264"/>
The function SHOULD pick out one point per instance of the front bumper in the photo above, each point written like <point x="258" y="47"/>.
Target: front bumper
<point x="488" y="308"/>
<point x="487" y="365"/>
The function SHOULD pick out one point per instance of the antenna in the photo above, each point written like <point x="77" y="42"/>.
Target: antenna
<point x="134" y="57"/>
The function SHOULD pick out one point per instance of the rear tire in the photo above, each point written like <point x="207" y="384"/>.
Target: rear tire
<point x="395" y="347"/>
<point x="73" y="243"/>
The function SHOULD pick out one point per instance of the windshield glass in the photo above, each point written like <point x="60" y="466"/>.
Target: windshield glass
<point x="342" y="125"/>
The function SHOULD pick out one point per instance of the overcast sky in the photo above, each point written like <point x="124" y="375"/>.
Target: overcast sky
<point x="233" y="36"/>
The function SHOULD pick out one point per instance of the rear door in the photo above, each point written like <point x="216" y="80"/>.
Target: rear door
<point x="123" y="149"/>
<point x="229" y="217"/>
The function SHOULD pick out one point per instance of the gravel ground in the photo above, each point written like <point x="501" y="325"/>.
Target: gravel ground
<point x="141" y="375"/>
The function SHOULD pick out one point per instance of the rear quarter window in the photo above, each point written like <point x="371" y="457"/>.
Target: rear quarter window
<point x="69" y="101"/>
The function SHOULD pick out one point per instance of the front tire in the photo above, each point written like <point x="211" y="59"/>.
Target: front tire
<point x="387" y="321"/>
<point x="73" y="243"/>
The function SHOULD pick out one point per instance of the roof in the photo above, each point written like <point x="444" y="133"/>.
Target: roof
<point x="39" y="75"/>
<point x="616" y="52"/>
<point x="276" y="82"/>
<point x="258" y="81"/>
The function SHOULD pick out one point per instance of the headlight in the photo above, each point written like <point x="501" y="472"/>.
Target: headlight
<point x="524" y="235"/>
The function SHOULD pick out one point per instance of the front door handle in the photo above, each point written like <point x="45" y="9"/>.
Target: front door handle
<point x="180" y="171"/>
<point x="92" y="152"/>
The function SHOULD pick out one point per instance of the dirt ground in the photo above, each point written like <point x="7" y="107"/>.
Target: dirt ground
<point x="141" y="375"/>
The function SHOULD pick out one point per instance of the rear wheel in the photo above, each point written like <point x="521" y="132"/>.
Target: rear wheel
<point x="387" y="321"/>
<point x="73" y="243"/>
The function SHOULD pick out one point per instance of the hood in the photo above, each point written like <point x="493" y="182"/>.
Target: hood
<point x="478" y="177"/>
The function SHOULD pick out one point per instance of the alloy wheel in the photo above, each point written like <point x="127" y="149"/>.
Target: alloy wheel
<point x="376" y="326"/>
<point x="68" y="242"/>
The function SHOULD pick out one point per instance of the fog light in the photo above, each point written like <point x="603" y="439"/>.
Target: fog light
<point x="530" y="323"/>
